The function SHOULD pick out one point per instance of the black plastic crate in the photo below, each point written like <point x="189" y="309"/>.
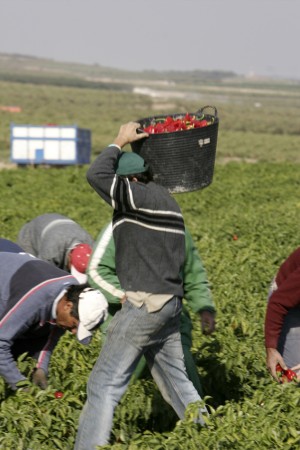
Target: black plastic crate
<point x="181" y="161"/>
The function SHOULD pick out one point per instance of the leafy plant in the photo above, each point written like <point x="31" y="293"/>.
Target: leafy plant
<point x="244" y="225"/>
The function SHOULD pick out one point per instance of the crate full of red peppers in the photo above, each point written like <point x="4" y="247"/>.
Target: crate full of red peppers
<point x="181" y="148"/>
<point x="171" y="124"/>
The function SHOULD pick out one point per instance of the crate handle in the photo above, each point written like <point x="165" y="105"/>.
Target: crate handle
<point x="201" y="110"/>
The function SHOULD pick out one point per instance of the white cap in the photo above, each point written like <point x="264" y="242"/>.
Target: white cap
<point x="92" y="310"/>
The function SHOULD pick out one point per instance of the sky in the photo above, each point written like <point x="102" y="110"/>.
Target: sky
<point x="248" y="37"/>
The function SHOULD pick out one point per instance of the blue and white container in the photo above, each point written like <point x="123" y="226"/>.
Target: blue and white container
<point x="50" y="144"/>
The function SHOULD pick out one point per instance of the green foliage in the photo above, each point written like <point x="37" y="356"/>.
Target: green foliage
<point x="258" y="120"/>
<point x="258" y="203"/>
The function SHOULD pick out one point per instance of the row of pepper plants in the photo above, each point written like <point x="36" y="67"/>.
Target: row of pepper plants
<point x="244" y="225"/>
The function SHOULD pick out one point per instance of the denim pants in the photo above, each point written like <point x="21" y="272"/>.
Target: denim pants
<point x="289" y="341"/>
<point x="134" y="332"/>
<point x="186" y="328"/>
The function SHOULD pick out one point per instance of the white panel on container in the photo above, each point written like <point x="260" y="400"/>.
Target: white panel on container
<point x="20" y="131"/>
<point x="51" y="150"/>
<point x="68" y="133"/>
<point x="35" y="144"/>
<point x="19" y="149"/>
<point x="35" y="132"/>
<point x="31" y="154"/>
<point x="52" y="132"/>
<point x="68" y="150"/>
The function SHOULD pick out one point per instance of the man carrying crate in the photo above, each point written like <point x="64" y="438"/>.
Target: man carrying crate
<point x="149" y="235"/>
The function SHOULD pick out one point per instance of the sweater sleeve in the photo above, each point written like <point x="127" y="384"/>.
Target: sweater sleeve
<point x="120" y="193"/>
<point x="13" y="325"/>
<point x="288" y="266"/>
<point x="101" y="174"/>
<point x="102" y="267"/>
<point x="196" y="286"/>
<point x="45" y="354"/>
<point x="8" y="367"/>
<point x="287" y="296"/>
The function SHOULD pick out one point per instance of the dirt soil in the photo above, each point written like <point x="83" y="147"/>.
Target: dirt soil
<point x="6" y="165"/>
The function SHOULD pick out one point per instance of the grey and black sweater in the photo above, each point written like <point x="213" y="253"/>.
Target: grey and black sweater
<point x="51" y="237"/>
<point x="148" y="229"/>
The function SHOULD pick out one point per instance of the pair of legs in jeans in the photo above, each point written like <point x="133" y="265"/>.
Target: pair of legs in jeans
<point x="186" y="328"/>
<point x="134" y="332"/>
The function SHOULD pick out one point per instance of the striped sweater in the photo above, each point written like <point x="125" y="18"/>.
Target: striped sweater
<point x="102" y="274"/>
<point x="28" y="288"/>
<point x="148" y="229"/>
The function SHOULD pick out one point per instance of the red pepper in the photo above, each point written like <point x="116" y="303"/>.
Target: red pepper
<point x="149" y="129"/>
<point x="169" y="120"/>
<point x="285" y="375"/>
<point x="170" y="125"/>
<point x="58" y="394"/>
<point x="159" y="128"/>
<point x="291" y="375"/>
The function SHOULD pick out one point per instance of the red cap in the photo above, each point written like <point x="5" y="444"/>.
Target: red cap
<point x="79" y="259"/>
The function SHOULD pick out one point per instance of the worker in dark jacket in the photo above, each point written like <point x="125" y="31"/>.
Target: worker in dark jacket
<point x="60" y="241"/>
<point x="102" y="275"/>
<point x="149" y="235"/>
<point x="38" y="303"/>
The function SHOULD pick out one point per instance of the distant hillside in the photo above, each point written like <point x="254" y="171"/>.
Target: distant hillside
<point x="33" y="70"/>
<point x="29" y="69"/>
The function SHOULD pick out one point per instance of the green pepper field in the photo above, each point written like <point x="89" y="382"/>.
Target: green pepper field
<point x="244" y="224"/>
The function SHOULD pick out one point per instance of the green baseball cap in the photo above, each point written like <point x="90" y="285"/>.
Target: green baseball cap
<point x="130" y="164"/>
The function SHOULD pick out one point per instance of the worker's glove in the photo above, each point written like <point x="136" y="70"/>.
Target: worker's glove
<point x="39" y="378"/>
<point x="208" y="323"/>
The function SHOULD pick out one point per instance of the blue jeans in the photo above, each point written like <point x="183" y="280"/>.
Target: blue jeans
<point x="289" y="341"/>
<point x="134" y="332"/>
